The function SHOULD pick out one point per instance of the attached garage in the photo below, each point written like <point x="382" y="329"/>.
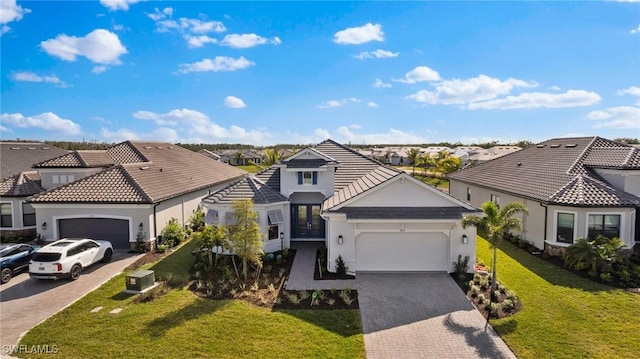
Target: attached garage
<point x="114" y="230"/>
<point x="402" y="252"/>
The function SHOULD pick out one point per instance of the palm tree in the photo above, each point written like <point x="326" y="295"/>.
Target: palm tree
<point x="446" y="163"/>
<point x="494" y="225"/>
<point x="426" y="161"/>
<point x="270" y="158"/>
<point x="413" y="156"/>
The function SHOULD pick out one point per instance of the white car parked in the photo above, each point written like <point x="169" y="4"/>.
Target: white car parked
<point x="67" y="257"/>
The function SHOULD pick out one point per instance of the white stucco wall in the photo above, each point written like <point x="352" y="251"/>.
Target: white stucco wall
<point x="77" y="173"/>
<point x="289" y="181"/>
<point x="405" y="192"/>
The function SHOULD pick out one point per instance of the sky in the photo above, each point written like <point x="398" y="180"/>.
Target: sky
<point x="266" y="73"/>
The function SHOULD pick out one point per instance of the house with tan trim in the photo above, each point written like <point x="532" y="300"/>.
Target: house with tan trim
<point x="573" y="188"/>
<point x="373" y="216"/>
<point x="130" y="190"/>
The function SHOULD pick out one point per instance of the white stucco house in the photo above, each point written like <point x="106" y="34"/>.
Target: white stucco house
<point x="573" y="188"/>
<point x="375" y="217"/>
<point x="130" y="190"/>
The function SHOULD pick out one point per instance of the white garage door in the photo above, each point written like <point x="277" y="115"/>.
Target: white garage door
<point x="402" y="252"/>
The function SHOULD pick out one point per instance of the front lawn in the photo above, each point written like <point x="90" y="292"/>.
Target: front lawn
<point x="180" y="324"/>
<point x="564" y="315"/>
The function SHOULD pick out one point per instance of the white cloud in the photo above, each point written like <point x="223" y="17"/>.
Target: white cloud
<point x="28" y="76"/>
<point x="158" y="14"/>
<point x="45" y="121"/>
<point x="190" y="26"/>
<point x="98" y="69"/>
<point x="345" y="134"/>
<point x="339" y="103"/>
<point x="10" y="11"/>
<point x="172" y="118"/>
<point x="555" y="88"/>
<point x="100" y="46"/>
<point x="115" y="5"/>
<point x="636" y="30"/>
<point x="234" y="102"/>
<point x="219" y="63"/>
<point x="244" y="41"/>
<point x="379" y="84"/>
<point x="199" y="41"/>
<point x="459" y="92"/>
<point x="529" y="100"/>
<point x="378" y="54"/>
<point x="372" y="104"/>
<point x="623" y="117"/>
<point x="420" y="74"/>
<point x="633" y="91"/>
<point x="120" y="135"/>
<point x="359" y="35"/>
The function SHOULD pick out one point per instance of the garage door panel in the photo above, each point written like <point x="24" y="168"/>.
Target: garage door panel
<point x="402" y="252"/>
<point x="114" y="230"/>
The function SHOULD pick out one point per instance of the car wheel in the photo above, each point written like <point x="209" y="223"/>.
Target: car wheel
<point x="107" y="256"/>
<point x="75" y="272"/>
<point x="7" y="273"/>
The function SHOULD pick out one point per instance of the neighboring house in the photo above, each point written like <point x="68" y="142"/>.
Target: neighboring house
<point x="210" y="154"/>
<point x="375" y="217"/>
<point x="573" y="187"/>
<point x="128" y="191"/>
<point x="241" y="157"/>
<point x="18" y="180"/>
<point x="483" y="155"/>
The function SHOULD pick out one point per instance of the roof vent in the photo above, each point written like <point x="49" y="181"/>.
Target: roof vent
<point x="540" y="146"/>
<point x="46" y="148"/>
<point x="144" y="168"/>
<point x="554" y="146"/>
<point x="31" y="148"/>
<point x="159" y="147"/>
<point x="519" y="164"/>
<point x="148" y="147"/>
<point x="15" y="148"/>
<point x="570" y="145"/>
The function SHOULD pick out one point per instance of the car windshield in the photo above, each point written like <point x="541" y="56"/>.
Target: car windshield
<point x="46" y="257"/>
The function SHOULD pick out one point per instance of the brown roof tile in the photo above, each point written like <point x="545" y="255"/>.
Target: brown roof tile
<point x="16" y="157"/>
<point x="23" y="184"/>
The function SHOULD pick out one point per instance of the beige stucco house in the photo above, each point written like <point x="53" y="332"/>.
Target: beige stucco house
<point x="573" y="188"/>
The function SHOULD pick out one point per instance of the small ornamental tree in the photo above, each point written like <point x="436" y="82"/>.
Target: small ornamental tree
<point x="210" y="237"/>
<point x="196" y="221"/>
<point x="245" y="237"/>
<point x="173" y="233"/>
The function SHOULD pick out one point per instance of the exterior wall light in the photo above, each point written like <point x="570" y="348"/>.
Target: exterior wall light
<point x="340" y="239"/>
<point x="465" y="239"/>
<point x="140" y="227"/>
<point x="44" y="226"/>
<point x="281" y="241"/>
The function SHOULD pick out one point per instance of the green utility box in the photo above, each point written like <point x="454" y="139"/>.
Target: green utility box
<point x="140" y="280"/>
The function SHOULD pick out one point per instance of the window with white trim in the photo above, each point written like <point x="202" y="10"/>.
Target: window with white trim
<point x="6" y="215"/>
<point x="28" y="215"/>
<point x="308" y="177"/>
<point x="607" y="225"/>
<point x="55" y="179"/>
<point x="275" y="218"/>
<point x="565" y="227"/>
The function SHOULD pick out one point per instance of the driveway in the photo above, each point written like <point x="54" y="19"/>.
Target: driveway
<point x="25" y="302"/>
<point x="422" y="315"/>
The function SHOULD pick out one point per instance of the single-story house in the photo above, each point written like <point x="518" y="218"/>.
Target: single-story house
<point x="128" y="191"/>
<point x="18" y="180"/>
<point x="573" y="188"/>
<point x="375" y="217"/>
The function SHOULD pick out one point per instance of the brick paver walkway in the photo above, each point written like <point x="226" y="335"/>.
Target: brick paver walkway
<point x="408" y="315"/>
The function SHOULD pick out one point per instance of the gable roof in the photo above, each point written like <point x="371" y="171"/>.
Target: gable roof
<point x="247" y="188"/>
<point x="559" y="171"/>
<point x="23" y="184"/>
<point x="121" y="153"/>
<point x="16" y="157"/>
<point x="146" y="172"/>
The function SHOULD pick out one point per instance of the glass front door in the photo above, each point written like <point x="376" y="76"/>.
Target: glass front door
<point x="307" y="222"/>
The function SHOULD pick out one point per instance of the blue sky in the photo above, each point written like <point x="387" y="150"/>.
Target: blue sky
<point x="264" y="73"/>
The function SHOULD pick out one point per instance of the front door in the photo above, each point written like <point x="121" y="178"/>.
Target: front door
<point x="306" y="221"/>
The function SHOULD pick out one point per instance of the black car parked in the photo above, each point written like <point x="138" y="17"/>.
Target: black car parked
<point x="14" y="257"/>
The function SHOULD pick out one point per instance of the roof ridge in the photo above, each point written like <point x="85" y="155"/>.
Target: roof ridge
<point x="583" y="156"/>
<point x="132" y="181"/>
<point x="348" y="149"/>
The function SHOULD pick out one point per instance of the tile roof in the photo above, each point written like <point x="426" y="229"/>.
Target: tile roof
<point x="166" y="171"/>
<point x="247" y="188"/>
<point x="121" y="153"/>
<point x="368" y="181"/>
<point x="270" y="176"/>
<point x="16" y="157"/>
<point x="550" y="172"/>
<point x="305" y="163"/>
<point x="405" y="212"/>
<point x="23" y="184"/>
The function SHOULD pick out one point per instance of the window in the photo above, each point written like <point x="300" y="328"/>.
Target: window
<point x="468" y="193"/>
<point x="275" y="217"/>
<point x="308" y="177"/>
<point x="495" y="199"/>
<point x="607" y="225"/>
<point x="70" y="178"/>
<point x="6" y="212"/>
<point x="63" y="178"/>
<point x="565" y="227"/>
<point x="28" y="215"/>
<point x="55" y="179"/>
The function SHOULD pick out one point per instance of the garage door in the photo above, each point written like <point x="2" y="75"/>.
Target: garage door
<point x="114" y="230"/>
<point x="402" y="252"/>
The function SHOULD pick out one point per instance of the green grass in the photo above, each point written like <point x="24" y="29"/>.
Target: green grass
<point x="435" y="182"/>
<point x="182" y="325"/>
<point x="564" y="315"/>
<point x="251" y="168"/>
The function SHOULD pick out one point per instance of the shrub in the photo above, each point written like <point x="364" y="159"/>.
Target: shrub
<point x="303" y="294"/>
<point x="161" y="248"/>
<point x="293" y="298"/>
<point x="173" y="233"/>
<point x="481" y="299"/>
<point x="493" y="307"/>
<point x="507" y="305"/>
<point x="477" y="278"/>
<point x="331" y="301"/>
<point x="141" y="244"/>
<point x="196" y="221"/>
<point x="461" y="266"/>
<point x="341" y="268"/>
<point x="474" y="291"/>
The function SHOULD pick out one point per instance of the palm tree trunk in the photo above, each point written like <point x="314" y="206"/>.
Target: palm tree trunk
<point x="493" y="271"/>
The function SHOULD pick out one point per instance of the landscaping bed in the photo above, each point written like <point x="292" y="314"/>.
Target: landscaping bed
<point x="320" y="271"/>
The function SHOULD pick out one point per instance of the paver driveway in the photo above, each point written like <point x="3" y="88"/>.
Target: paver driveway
<point x="25" y="302"/>
<point x="422" y="315"/>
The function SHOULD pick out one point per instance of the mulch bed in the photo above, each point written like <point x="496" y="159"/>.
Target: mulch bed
<point x="485" y="291"/>
<point x="149" y="257"/>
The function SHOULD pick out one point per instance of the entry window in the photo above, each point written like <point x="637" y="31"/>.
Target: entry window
<point x="565" y="227"/>
<point x="468" y="193"/>
<point x="28" y="215"/>
<point x="308" y="177"/>
<point x="607" y="225"/>
<point x="7" y="215"/>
